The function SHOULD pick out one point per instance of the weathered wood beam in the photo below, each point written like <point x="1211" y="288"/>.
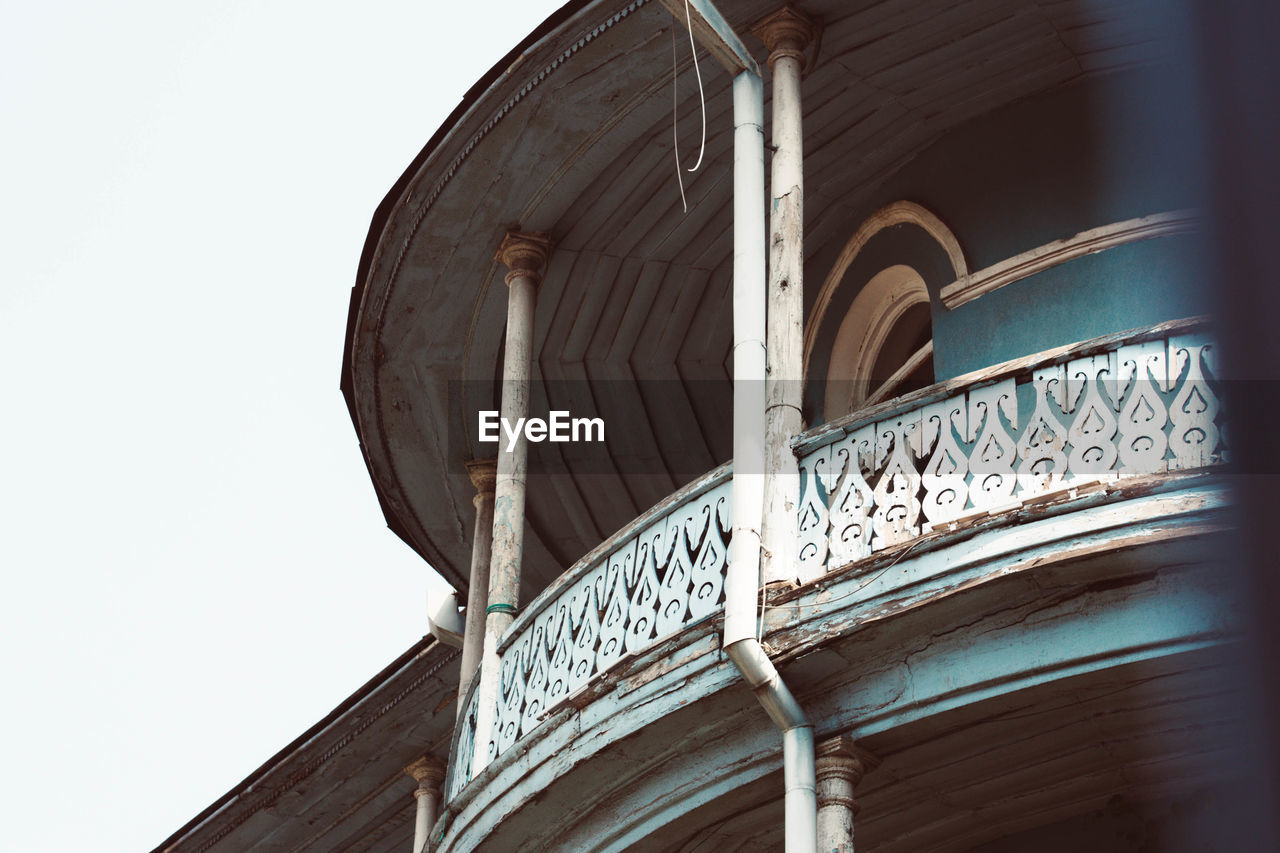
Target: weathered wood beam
<point x="713" y="32"/>
<point x="1093" y="631"/>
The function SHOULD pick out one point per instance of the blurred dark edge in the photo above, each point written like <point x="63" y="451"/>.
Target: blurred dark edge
<point x="1236" y="44"/>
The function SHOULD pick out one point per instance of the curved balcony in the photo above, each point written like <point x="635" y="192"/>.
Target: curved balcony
<point x="1052" y="424"/>
<point x="1111" y="431"/>
<point x="655" y="577"/>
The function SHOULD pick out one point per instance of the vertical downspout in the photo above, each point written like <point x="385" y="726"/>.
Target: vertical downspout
<point x="743" y="580"/>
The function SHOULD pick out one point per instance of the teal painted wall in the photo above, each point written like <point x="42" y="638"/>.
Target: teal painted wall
<point x="1138" y="284"/>
<point x="1091" y="153"/>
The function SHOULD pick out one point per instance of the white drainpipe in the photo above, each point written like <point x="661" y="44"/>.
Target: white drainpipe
<point x="743" y="581"/>
<point x="742" y="584"/>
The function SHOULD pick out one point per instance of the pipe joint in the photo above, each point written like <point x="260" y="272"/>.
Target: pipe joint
<point x="770" y="690"/>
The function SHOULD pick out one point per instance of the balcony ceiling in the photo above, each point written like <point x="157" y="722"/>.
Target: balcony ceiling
<point x="571" y="135"/>
<point x="1121" y="748"/>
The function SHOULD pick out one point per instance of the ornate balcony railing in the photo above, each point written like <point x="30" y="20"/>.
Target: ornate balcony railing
<point x="1122" y="406"/>
<point x="658" y="575"/>
<point x="1125" y="405"/>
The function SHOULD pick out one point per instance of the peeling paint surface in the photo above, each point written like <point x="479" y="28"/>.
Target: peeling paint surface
<point x="1098" y="588"/>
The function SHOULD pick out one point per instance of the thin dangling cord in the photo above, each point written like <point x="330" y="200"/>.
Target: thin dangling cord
<point x="701" y="95"/>
<point x="675" y="105"/>
<point x="675" y="121"/>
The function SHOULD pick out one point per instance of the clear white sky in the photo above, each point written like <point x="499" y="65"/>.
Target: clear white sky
<point x="195" y="565"/>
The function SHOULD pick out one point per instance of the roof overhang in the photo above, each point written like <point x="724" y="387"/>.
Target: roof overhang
<point x="571" y="134"/>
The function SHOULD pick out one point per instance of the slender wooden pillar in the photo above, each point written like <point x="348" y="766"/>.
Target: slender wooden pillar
<point x="840" y="766"/>
<point x="483" y="475"/>
<point x="429" y="774"/>
<point x="785" y="33"/>
<point x="526" y="256"/>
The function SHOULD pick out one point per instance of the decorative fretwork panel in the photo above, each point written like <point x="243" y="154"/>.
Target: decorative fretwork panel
<point x="648" y="586"/>
<point x="1139" y="408"/>
<point x="464" y="747"/>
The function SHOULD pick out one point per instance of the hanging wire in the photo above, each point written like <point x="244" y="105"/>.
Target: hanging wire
<point x="675" y="125"/>
<point x="675" y="105"/>
<point x="701" y="95"/>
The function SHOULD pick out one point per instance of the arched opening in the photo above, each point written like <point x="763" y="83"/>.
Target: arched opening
<point x="870" y="337"/>
<point x="884" y="346"/>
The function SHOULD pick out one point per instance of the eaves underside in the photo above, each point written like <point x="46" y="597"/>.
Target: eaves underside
<point x="592" y="168"/>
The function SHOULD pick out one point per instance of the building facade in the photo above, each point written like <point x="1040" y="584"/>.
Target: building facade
<point x="908" y="524"/>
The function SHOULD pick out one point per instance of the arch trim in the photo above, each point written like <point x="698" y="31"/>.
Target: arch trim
<point x="896" y="213"/>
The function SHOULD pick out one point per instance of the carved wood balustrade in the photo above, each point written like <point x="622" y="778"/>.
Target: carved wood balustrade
<point x="1121" y="406"/>
<point x="1137" y="403"/>
<point x="660" y="574"/>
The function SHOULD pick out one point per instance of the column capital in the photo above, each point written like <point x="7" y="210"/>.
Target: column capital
<point x="484" y="474"/>
<point x="525" y="254"/>
<point x="428" y="773"/>
<point x="786" y="31"/>
<point x="841" y="762"/>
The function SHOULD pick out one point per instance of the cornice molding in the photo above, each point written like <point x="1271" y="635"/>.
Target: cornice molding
<point x="426" y="201"/>
<point x="967" y="288"/>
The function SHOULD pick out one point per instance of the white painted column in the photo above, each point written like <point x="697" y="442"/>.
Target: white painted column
<point x="742" y="580"/>
<point x="483" y="475"/>
<point x="429" y="774"/>
<point x="840" y="766"/>
<point x="785" y="33"/>
<point x="526" y="256"/>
